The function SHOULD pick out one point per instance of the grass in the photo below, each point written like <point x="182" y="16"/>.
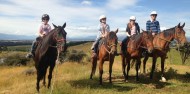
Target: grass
<point x="73" y="78"/>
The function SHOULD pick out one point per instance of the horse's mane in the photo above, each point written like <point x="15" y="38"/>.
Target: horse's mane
<point x="45" y="42"/>
<point x="168" y="32"/>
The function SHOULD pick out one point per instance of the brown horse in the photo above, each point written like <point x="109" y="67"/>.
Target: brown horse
<point x="46" y="53"/>
<point x="106" y="52"/>
<point x="134" y="51"/>
<point x="161" y="47"/>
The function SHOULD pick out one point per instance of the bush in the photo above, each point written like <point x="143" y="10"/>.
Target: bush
<point x="15" y="59"/>
<point x="74" y="56"/>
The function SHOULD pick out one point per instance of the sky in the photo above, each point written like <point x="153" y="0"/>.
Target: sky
<point x="23" y="17"/>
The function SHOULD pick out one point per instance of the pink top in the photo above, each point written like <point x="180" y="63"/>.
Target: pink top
<point x="133" y="30"/>
<point x="44" y="29"/>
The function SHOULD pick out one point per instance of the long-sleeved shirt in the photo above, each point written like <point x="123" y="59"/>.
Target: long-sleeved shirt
<point x="44" y="29"/>
<point x="137" y="29"/>
<point x="101" y="30"/>
<point x="153" y="25"/>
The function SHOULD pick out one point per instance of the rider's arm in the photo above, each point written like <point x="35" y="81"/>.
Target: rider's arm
<point x="148" y="26"/>
<point x="127" y="31"/>
<point x="158" y="26"/>
<point x="41" y="33"/>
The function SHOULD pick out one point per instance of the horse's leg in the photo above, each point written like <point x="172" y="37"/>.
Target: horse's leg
<point x="94" y="64"/>
<point x="128" y="67"/>
<point x="153" y="66"/>
<point x="123" y="67"/>
<point x="139" y="66"/>
<point x="52" y="65"/>
<point x="38" y="81"/>
<point x="144" y="64"/>
<point x="163" y="79"/>
<point x="137" y="69"/>
<point x="110" y="68"/>
<point x="100" y="70"/>
<point x="44" y="80"/>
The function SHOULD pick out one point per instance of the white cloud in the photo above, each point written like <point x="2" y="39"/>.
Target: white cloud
<point x="86" y="2"/>
<point x="118" y="4"/>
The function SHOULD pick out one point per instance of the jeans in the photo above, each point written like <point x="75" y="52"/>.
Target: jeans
<point x="124" y="44"/>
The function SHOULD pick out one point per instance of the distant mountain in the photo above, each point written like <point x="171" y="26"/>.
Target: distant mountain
<point x="15" y="37"/>
<point x="25" y="37"/>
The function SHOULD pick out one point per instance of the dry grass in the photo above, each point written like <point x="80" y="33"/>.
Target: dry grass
<point x="73" y="78"/>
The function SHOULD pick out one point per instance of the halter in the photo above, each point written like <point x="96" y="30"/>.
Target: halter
<point x="57" y="41"/>
<point x="175" y="36"/>
<point x="109" y="46"/>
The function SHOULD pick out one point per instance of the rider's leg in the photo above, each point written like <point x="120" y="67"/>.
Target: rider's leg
<point x="124" y="45"/>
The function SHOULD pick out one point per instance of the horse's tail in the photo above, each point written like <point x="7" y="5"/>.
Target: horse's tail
<point x="94" y="64"/>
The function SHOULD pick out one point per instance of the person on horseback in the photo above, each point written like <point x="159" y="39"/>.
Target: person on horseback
<point x="103" y="28"/>
<point x="44" y="29"/>
<point x="153" y="24"/>
<point x="132" y="29"/>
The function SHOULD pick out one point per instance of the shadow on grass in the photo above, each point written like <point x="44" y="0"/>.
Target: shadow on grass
<point x="94" y="84"/>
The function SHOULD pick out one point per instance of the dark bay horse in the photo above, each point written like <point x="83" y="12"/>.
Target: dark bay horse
<point x="161" y="46"/>
<point x="47" y="51"/>
<point x="106" y="52"/>
<point x="134" y="51"/>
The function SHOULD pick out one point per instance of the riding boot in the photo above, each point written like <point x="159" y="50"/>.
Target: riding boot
<point x="32" y="51"/>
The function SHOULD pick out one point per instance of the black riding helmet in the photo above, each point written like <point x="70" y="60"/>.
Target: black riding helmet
<point x="45" y="16"/>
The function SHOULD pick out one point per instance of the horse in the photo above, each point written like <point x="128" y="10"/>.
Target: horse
<point x="106" y="52"/>
<point x="135" y="46"/>
<point x="161" y="43"/>
<point x="47" y="51"/>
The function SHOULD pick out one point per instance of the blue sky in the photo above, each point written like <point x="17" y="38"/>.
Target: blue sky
<point x="23" y="17"/>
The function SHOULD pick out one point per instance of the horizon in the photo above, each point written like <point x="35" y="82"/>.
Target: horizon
<point x="20" y="17"/>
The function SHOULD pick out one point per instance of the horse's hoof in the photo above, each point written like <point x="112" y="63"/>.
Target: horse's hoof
<point x="163" y="79"/>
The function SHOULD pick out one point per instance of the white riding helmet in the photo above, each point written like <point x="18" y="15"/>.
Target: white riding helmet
<point x="153" y="12"/>
<point x="133" y="18"/>
<point x="102" y="17"/>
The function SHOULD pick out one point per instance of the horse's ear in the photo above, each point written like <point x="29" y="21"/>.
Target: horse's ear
<point x="183" y="25"/>
<point x="64" y="25"/>
<point x="117" y="30"/>
<point x="178" y="25"/>
<point x="54" y="25"/>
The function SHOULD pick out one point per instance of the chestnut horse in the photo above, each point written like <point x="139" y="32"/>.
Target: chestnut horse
<point x="47" y="51"/>
<point x="134" y="49"/>
<point x="106" y="52"/>
<point x="161" y="47"/>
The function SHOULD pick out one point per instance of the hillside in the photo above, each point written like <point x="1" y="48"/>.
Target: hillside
<point x="73" y="78"/>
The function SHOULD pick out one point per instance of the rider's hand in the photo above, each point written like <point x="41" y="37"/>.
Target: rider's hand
<point x="153" y="34"/>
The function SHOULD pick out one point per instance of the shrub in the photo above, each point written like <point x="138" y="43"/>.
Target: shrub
<point x="73" y="56"/>
<point x="15" y="59"/>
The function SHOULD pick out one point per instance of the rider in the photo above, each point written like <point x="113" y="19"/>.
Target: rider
<point x="103" y="28"/>
<point x="132" y="29"/>
<point x="153" y="24"/>
<point x="44" y="29"/>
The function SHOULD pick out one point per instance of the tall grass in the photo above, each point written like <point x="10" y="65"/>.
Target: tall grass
<point x="73" y="78"/>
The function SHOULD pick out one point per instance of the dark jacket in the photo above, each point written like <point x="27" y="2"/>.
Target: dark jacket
<point x="137" y="28"/>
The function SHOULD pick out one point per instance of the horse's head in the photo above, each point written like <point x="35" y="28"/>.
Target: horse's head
<point x="60" y="37"/>
<point x="180" y="34"/>
<point x="112" y="41"/>
<point x="147" y="40"/>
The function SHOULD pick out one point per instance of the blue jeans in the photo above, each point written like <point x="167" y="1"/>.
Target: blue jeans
<point x="96" y="43"/>
<point x="124" y="44"/>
